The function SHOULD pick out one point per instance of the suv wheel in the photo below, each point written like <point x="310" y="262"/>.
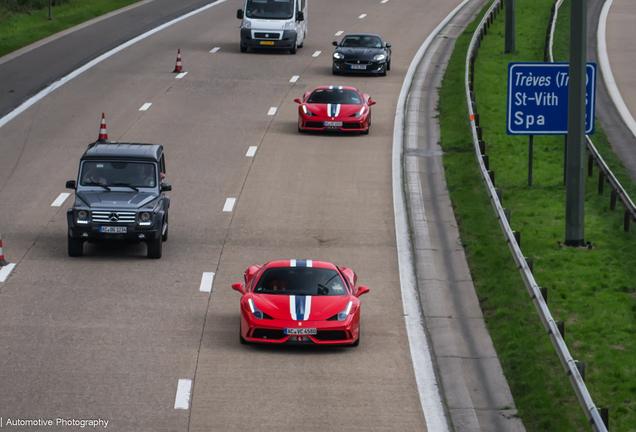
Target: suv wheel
<point x="154" y="247"/>
<point x="75" y="246"/>
<point x="164" y="236"/>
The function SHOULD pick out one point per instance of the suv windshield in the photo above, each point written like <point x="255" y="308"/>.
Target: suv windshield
<point x="301" y="281"/>
<point x="123" y="174"/>
<point x="335" y="96"/>
<point x="269" y="9"/>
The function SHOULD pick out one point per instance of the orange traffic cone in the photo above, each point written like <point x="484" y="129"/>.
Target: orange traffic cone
<point x="103" y="135"/>
<point x="2" y="261"/>
<point x="178" y="68"/>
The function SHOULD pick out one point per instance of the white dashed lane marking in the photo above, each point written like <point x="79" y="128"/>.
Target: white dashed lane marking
<point x="181" y="75"/>
<point x="206" y="282"/>
<point x="60" y="199"/>
<point x="145" y="106"/>
<point x="215" y="49"/>
<point x="294" y="78"/>
<point x="229" y="204"/>
<point x="182" y="400"/>
<point x="5" y="271"/>
<point x="339" y="32"/>
<point x="251" y="151"/>
<point x="316" y="54"/>
<point x="384" y="1"/>
<point x="272" y="111"/>
<point x="362" y="16"/>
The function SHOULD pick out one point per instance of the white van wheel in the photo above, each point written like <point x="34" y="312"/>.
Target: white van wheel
<point x="293" y="50"/>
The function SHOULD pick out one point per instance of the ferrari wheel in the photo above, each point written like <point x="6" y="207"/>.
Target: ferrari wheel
<point x="366" y="132"/>
<point x="241" y="339"/>
<point x="300" y="130"/>
<point x="357" y="342"/>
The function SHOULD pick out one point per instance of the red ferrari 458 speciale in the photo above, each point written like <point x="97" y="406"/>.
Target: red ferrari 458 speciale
<point x="335" y="108"/>
<point x="300" y="302"/>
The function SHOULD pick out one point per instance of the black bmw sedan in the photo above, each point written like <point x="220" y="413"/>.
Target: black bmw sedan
<point x="362" y="53"/>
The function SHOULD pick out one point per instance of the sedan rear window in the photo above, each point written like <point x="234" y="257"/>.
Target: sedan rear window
<point x="301" y="281"/>
<point x="335" y="96"/>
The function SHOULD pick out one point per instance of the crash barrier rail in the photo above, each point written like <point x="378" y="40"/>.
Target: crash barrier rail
<point x="594" y="158"/>
<point x="575" y="370"/>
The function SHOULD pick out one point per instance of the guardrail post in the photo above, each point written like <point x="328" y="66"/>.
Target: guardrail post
<point x="544" y="294"/>
<point x="517" y="237"/>
<point x="474" y="105"/>
<point x="491" y="174"/>
<point x="508" y="215"/>
<point x="476" y="117"/>
<point x="478" y="133"/>
<point x="626" y="221"/>
<point x="510" y="26"/>
<point x="613" y="200"/>
<point x="561" y="327"/>
<point x="486" y="162"/>
<point x="482" y="147"/>
<point x="590" y="165"/>
<point x="601" y="181"/>
<point x="580" y="365"/>
<point x="530" y="264"/>
<point x="605" y="417"/>
<point x="500" y="195"/>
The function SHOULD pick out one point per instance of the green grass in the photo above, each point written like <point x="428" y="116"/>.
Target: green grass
<point x="593" y="291"/>
<point x="18" y="30"/>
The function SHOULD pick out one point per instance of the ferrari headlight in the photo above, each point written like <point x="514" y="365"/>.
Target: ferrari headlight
<point x="338" y="56"/>
<point x="359" y="113"/>
<point x="379" y="57"/>
<point x="258" y="314"/>
<point x="345" y="313"/>
<point x="307" y="112"/>
<point x="247" y="24"/>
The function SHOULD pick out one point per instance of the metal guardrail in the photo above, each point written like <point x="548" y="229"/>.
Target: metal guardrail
<point x="513" y="239"/>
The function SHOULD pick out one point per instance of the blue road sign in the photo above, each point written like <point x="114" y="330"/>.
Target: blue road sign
<point x="538" y="98"/>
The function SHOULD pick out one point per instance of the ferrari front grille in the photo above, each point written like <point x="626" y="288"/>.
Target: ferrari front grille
<point x="351" y="126"/>
<point x="314" y="125"/>
<point x="331" y="335"/>
<point x="261" y="333"/>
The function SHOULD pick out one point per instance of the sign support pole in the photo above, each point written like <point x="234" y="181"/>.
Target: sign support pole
<point x="575" y="151"/>
<point x="510" y="26"/>
<point x="530" y="153"/>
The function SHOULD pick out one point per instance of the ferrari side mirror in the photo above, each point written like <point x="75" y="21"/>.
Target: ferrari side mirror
<point x="239" y="288"/>
<point x="297" y="100"/>
<point x="372" y="102"/>
<point x="70" y="184"/>
<point x="362" y="290"/>
<point x="239" y="14"/>
<point x="334" y="43"/>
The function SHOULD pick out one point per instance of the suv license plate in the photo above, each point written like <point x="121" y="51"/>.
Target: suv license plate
<point x="356" y="66"/>
<point x="329" y="123"/>
<point x="267" y="42"/>
<point x="301" y="331"/>
<point x="113" y="229"/>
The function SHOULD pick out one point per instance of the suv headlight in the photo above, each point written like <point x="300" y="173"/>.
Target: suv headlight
<point x="345" y="313"/>
<point x="82" y="214"/>
<point x="145" y="218"/>
<point x="258" y="314"/>
<point x="82" y="217"/>
<point x="379" y="57"/>
<point x="247" y="24"/>
<point x="338" y="56"/>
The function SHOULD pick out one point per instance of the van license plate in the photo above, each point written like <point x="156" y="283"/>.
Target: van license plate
<point x="113" y="229"/>
<point x="267" y="43"/>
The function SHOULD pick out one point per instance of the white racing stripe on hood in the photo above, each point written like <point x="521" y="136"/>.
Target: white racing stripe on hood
<point x="292" y="307"/>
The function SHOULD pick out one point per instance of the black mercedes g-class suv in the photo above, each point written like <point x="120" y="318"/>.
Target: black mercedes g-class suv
<point x="119" y="196"/>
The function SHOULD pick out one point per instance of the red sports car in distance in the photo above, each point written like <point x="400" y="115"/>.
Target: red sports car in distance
<point x="335" y="108"/>
<point x="300" y="302"/>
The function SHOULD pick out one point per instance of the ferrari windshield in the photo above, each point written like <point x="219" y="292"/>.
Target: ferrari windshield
<point x="364" y="41"/>
<point x="335" y="96"/>
<point x="269" y="9"/>
<point x="301" y="281"/>
<point x="124" y="174"/>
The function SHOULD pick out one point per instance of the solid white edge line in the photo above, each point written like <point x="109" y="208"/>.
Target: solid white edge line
<point x="251" y="151"/>
<point x="5" y="272"/>
<point x="181" y="75"/>
<point x="207" y="280"/>
<point x="272" y="111"/>
<point x="362" y="16"/>
<point x="428" y="388"/>
<point x="229" y="204"/>
<point x="215" y="49"/>
<point x="60" y="199"/>
<point x="182" y="399"/>
<point x="316" y="54"/>
<point x="553" y="26"/>
<point x="294" y="78"/>
<point x="606" y="70"/>
<point x="59" y="83"/>
<point x="145" y="106"/>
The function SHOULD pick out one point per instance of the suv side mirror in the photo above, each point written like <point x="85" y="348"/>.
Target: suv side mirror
<point x="388" y="45"/>
<point x="166" y="187"/>
<point x="70" y="184"/>
<point x="362" y="290"/>
<point x="300" y="16"/>
<point x="239" y="288"/>
<point x="334" y="43"/>
<point x="239" y="14"/>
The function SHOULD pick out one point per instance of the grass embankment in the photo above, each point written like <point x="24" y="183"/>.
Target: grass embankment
<point x="593" y="291"/>
<point x="19" y="29"/>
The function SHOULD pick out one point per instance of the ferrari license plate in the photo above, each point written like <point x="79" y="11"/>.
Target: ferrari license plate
<point x="301" y="331"/>
<point x="267" y="42"/>
<point x="113" y="229"/>
<point x="359" y="67"/>
<point x="332" y="123"/>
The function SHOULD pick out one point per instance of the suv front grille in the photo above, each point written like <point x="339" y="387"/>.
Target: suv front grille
<point x="114" y="217"/>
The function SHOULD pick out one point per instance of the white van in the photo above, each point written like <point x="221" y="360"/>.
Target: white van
<point x="273" y="24"/>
